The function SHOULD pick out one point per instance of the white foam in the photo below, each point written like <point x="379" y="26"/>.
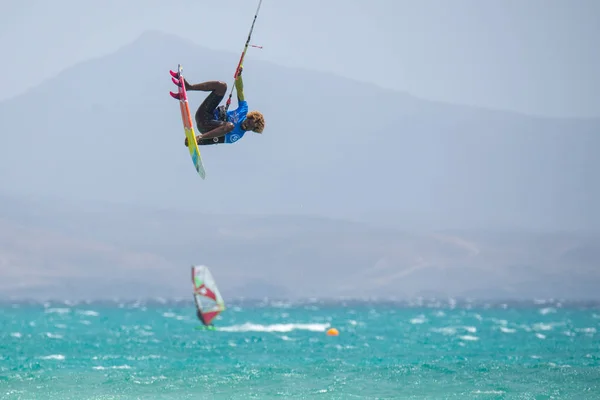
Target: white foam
<point x="445" y="331"/>
<point x="106" y="357"/>
<point x="554" y="365"/>
<point x="149" y="357"/>
<point x="249" y="327"/>
<point x="58" y="357"/>
<point x="281" y="304"/>
<point x="587" y="330"/>
<point x="418" y="320"/>
<point x="547" y="310"/>
<point x="57" y="310"/>
<point x="16" y="334"/>
<point x="470" y="329"/>
<point x="469" y="337"/>
<point x="540" y="336"/>
<point x="99" y="367"/>
<point x="507" y="330"/>
<point x="451" y="302"/>
<point x="543" y="327"/>
<point x="494" y="392"/>
<point x="525" y="328"/>
<point x="89" y="313"/>
<point x="53" y="335"/>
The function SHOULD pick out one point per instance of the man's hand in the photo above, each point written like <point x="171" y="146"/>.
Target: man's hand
<point x="239" y="71"/>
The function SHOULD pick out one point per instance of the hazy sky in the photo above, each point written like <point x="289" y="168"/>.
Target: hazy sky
<point x="534" y="56"/>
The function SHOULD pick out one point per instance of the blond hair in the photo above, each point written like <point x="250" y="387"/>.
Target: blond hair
<point x="258" y="119"/>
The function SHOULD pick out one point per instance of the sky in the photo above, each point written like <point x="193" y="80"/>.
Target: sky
<point x="537" y="56"/>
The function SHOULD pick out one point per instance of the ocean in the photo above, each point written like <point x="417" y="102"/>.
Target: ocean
<point x="421" y="349"/>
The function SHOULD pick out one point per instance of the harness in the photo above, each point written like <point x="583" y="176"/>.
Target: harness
<point x="222" y="113"/>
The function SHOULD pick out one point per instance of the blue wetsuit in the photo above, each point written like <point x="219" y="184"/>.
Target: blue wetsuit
<point x="236" y="117"/>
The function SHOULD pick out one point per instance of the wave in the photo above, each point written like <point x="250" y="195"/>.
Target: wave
<point x="250" y="327"/>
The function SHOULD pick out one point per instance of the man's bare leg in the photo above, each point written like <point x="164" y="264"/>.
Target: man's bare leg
<point x="204" y="116"/>
<point x="220" y="88"/>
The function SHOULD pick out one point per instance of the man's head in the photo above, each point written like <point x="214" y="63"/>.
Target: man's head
<point x="254" y="122"/>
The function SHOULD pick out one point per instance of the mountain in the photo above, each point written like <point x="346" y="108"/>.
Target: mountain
<point x="73" y="250"/>
<point x="107" y="130"/>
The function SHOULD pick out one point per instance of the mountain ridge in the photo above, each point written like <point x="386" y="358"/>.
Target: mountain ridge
<point x="56" y="250"/>
<point x="108" y="130"/>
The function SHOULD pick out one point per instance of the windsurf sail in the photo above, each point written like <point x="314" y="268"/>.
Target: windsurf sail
<point x="208" y="299"/>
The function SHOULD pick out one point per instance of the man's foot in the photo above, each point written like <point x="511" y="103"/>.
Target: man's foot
<point x="198" y="138"/>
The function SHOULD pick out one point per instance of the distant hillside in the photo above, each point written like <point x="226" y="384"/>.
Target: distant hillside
<point x="61" y="250"/>
<point x="107" y="130"/>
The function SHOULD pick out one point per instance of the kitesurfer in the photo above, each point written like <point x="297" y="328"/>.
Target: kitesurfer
<point x="216" y="125"/>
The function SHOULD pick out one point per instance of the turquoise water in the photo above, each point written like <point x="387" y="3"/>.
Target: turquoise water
<point x="263" y="350"/>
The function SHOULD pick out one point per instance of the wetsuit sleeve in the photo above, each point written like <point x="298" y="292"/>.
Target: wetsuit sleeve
<point x="239" y="88"/>
<point x="242" y="107"/>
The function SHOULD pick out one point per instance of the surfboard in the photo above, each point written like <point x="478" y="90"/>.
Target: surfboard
<point x="205" y="328"/>
<point x="186" y="117"/>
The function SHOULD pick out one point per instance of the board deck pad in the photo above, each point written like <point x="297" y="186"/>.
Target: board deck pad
<point x="186" y="117"/>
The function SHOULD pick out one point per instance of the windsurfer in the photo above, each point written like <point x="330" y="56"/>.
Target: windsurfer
<point x="201" y="318"/>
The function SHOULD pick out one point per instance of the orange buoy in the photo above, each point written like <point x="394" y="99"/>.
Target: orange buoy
<point x="332" y="332"/>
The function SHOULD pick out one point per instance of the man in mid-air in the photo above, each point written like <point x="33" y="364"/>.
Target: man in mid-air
<point x="216" y="125"/>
